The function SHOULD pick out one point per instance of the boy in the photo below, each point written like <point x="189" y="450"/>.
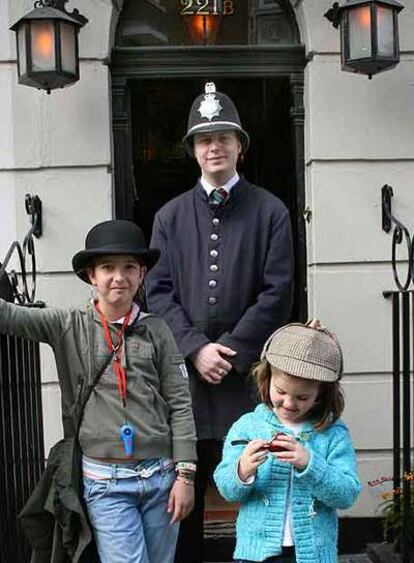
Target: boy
<point x="137" y="426"/>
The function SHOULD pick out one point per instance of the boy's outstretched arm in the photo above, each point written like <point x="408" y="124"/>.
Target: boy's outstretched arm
<point x="38" y="325"/>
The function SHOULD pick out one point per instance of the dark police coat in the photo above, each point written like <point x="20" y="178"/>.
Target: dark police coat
<point x="224" y="275"/>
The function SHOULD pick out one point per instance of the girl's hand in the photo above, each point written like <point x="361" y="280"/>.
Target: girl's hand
<point x="253" y="455"/>
<point x="181" y="501"/>
<point x="293" y="452"/>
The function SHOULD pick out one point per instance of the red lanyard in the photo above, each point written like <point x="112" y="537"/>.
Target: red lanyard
<point x="117" y="359"/>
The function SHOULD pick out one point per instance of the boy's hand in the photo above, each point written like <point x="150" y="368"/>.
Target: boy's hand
<point x="294" y="453"/>
<point x="210" y="363"/>
<point x="181" y="501"/>
<point x="253" y="455"/>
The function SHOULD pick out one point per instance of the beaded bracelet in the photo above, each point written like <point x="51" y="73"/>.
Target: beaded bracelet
<point x="186" y="465"/>
<point x="186" y="481"/>
<point x="190" y="476"/>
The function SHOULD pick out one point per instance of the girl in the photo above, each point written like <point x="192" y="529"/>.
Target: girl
<point x="290" y="462"/>
<point x="137" y="432"/>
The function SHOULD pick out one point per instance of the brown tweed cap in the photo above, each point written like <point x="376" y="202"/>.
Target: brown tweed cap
<point x="309" y="351"/>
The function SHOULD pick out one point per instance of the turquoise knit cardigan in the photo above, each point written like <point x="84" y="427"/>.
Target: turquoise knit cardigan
<point x="329" y="482"/>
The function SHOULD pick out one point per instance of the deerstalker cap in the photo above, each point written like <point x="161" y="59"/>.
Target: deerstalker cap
<point x="210" y="112"/>
<point x="309" y="351"/>
<point x="112" y="238"/>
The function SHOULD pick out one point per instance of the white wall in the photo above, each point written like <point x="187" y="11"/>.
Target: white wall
<point x="359" y="136"/>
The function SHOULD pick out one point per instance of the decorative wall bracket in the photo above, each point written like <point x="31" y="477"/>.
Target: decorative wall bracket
<point x="60" y="5"/>
<point x="400" y="233"/>
<point x="10" y="280"/>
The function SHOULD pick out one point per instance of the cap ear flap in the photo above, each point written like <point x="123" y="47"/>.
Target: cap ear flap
<point x="266" y="346"/>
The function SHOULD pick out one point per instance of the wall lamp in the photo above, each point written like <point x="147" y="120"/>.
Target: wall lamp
<point x="47" y="45"/>
<point x="369" y="34"/>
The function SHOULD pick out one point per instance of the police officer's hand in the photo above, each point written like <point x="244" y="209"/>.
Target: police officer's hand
<point x="210" y="364"/>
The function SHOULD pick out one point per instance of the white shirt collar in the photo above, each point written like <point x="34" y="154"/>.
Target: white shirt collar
<point x="227" y="186"/>
<point x="134" y="314"/>
<point x="136" y="311"/>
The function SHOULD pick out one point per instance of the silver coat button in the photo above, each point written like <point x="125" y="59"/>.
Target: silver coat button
<point x="214" y="268"/>
<point x="216" y="221"/>
<point x="214" y="253"/>
<point x="214" y="236"/>
<point x="212" y="283"/>
<point x="212" y="300"/>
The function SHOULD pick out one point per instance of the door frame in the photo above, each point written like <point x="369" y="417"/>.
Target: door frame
<point x="133" y="63"/>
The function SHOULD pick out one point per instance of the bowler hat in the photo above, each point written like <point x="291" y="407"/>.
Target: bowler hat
<point x="210" y="112"/>
<point x="111" y="238"/>
<point x="309" y="351"/>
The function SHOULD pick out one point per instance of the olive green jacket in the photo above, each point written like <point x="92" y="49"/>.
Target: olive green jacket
<point x="159" y="407"/>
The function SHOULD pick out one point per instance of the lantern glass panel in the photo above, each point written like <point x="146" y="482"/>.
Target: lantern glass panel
<point x="68" y="36"/>
<point x="43" y="45"/>
<point x="359" y="25"/>
<point x="21" y="39"/>
<point x="385" y="26"/>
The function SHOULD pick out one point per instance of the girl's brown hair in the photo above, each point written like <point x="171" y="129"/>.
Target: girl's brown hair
<point x="329" y="404"/>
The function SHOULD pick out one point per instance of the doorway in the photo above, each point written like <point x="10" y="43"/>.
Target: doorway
<point x="162" y="169"/>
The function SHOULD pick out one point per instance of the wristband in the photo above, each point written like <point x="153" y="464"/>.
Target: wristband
<point x="186" y="465"/>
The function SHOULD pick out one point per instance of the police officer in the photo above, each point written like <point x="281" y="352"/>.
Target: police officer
<point x="223" y="283"/>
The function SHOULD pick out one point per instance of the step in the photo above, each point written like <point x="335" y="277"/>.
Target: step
<point x="354" y="558"/>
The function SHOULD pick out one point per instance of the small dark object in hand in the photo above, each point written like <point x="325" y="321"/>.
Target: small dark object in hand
<point x="269" y="446"/>
<point x="272" y="446"/>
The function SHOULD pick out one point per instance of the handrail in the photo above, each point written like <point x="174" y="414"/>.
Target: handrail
<point x="33" y="206"/>
<point x="399" y="232"/>
<point x="403" y="352"/>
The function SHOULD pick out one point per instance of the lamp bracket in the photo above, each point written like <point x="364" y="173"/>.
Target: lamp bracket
<point x="334" y="15"/>
<point x="33" y="206"/>
<point x="60" y="5"/>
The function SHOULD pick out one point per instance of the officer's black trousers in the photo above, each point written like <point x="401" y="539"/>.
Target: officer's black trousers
<point x="190" y="538"/>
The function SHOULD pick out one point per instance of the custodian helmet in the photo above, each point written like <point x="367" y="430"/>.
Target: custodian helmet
<point x="213" y="111"/>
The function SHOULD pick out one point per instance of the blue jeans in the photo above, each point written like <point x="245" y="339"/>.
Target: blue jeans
<point x="130" y="520"/>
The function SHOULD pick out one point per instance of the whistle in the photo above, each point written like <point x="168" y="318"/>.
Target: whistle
<point x="127" y="437"/>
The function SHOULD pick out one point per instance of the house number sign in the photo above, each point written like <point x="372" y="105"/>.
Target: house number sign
<point x="207" y="7"/>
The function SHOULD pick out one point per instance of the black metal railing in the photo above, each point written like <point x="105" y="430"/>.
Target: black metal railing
<point x="21" y="432"/>
<point x="403" y="381"/>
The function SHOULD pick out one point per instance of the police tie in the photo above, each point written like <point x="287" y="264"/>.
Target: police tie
<point x="217" y="197"/>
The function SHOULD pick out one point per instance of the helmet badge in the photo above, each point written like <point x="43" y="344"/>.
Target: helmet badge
<point x="210" y="106"/>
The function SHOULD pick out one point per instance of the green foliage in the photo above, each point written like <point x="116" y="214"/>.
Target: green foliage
<point x="392" y="510"/>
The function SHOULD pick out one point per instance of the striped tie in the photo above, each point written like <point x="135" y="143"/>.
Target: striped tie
<point x="218" y="196"/>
